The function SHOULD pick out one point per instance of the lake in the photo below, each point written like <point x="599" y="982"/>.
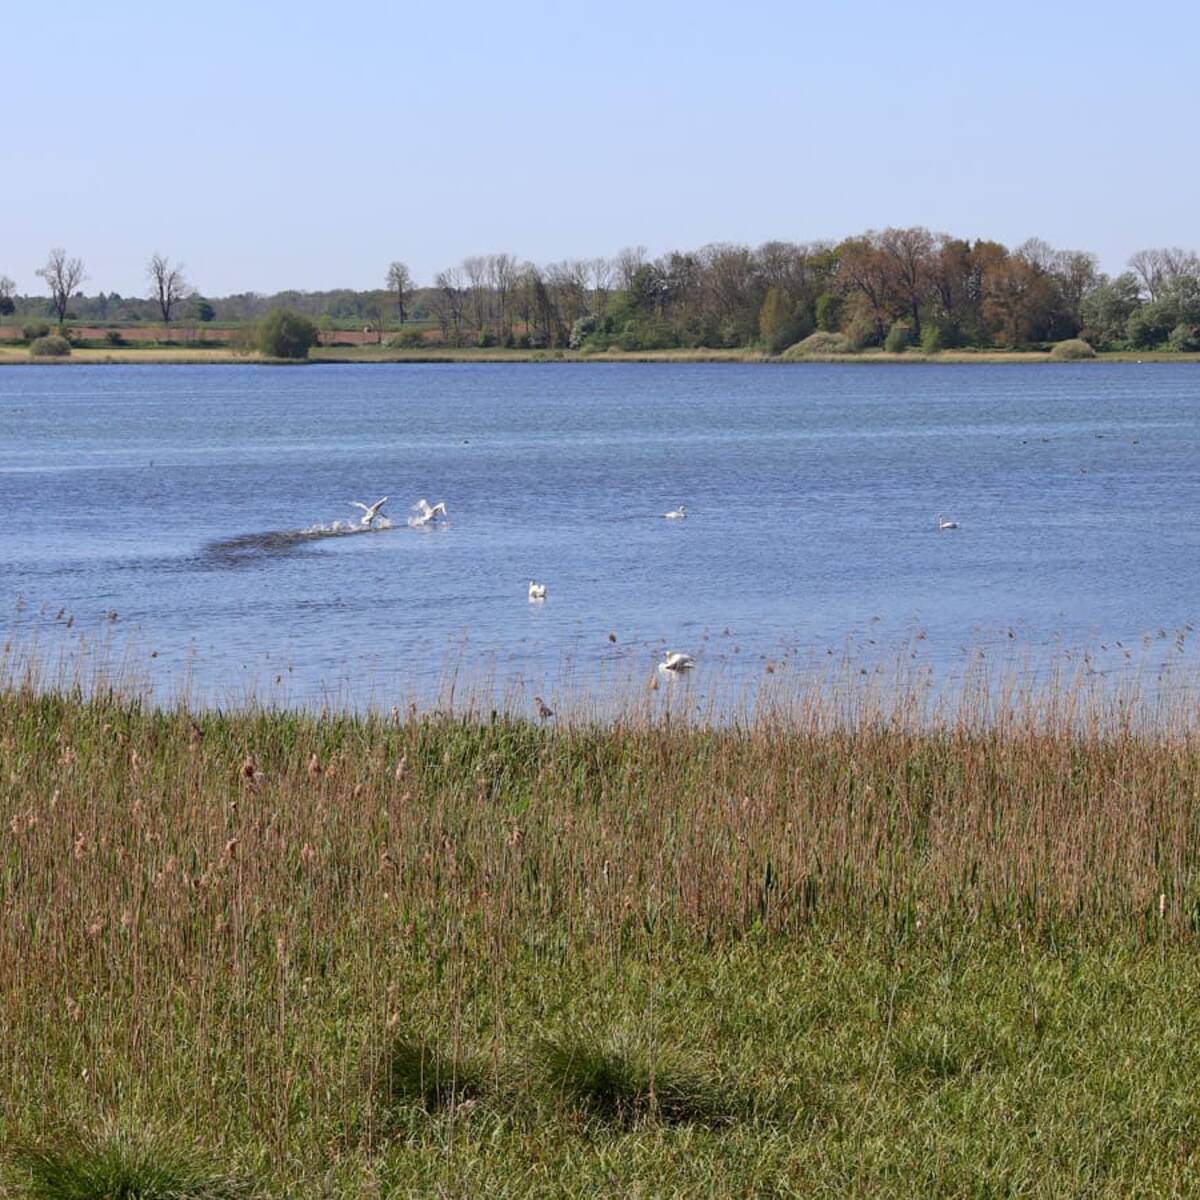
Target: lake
<point x="184" y="524"/>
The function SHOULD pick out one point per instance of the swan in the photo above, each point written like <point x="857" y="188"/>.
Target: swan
<point x="428" y="512"/>
<point x="537" y="591"/>
<point x="676" y="514"/>
<point x="942" y="523"/>
<point x="676" y="661"/>
<point x="370" y="511"/>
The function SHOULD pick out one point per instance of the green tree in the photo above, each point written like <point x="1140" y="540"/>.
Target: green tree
<point x="7" y="290"/>
<point x="777" y="324"/>
<point x="1151" y="324"/>
<point x="286" y="334"/>
<point x="1105" y="309"/>
<point x="830" y="307"/>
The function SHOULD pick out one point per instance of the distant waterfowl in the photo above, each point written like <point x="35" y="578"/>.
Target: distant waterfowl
<point x="537" y="591"/>
<point x="943" y="523"/>
<point x="543" y="709"/>
<point x="677" y="661"/>
<point x="676" y="514"/>
<point x="370" y="511"/>
<point x="427" y="512"/>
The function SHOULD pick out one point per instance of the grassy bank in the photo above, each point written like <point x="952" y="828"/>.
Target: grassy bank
<point x="14" y="355"/>
<point x="421" y="955"/>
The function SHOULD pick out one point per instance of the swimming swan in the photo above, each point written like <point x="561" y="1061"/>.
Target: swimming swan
<point x="942" y="523"/>
<point x="537" y="591"/>
<point x="370" y="511"/>
<point x="676" y="661"/>
<point x="427" y="512"/>
<point x="676" y="514"/>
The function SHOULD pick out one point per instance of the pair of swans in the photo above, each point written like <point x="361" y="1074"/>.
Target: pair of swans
<point x="425" y="511"/>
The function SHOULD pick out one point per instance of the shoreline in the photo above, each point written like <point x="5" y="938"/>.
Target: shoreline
<point x="343" y="356"/>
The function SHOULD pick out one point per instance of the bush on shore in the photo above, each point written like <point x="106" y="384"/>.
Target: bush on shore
<point x="1072" y="350"/>
<point x="33" y="330"/>
<point x="50" y="347"/>
<point x="286" y="334"/>
<point x="820" y="342"/>
<point x="407" y="339"/>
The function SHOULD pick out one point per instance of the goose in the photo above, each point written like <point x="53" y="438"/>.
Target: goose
<point x="370" y="511"/>
<point x="676" y="661"/>
<point x="942" y="523"/>
<point x="543" y="709"/>
<point x="427" y="512"/>
<point x="676" y="514"/>
<point x="537" y="591"/>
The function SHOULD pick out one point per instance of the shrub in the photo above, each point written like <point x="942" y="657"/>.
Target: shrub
<point x="486" y="339"/>
<point x="1072" y="350"/>
<point x="286" y="334"/>
<point x="407" y="339"/>
<point x="50" y="347"/>
<point x="34" y="330"/>
<point x="583" y="328"/>
<point x="114" y="1166"/>
<point x="861" y="333"/>
<point x="820" y="342"/>
<point x="1184" y="339"/>
<point x="899" y="338"/>
<point x="618" y="1086"/>
<point x="934" y="338"/>
<point x="113" y="337"/>
<point x="415" y="1073"/>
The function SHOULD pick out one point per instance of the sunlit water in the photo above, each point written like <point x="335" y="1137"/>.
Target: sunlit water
<point x="208" y="508"/>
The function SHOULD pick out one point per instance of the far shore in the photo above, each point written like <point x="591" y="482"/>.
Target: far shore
<point x="13" y="355"/>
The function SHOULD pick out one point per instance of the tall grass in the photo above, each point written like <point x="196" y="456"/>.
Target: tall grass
<point x="290" y="931"/>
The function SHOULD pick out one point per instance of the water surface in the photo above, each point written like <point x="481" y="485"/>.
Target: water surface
<point x="188" y="502"/>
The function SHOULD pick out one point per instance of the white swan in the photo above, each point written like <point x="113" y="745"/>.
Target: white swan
<point x="676" y="661"/>
<point x="427" y="512"/>
<point x="676" y="514"/>
<point x="942" y="523"/>
<point x="537" y="591"/>
<point x="370" y="511"/>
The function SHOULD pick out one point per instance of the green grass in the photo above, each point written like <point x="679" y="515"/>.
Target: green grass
<point x="116" y="1166"/>
<point x="474" y="956"/>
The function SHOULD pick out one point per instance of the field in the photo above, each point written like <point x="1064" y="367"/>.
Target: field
<point x="14" y="354"/>
<point x="829" y="950"/>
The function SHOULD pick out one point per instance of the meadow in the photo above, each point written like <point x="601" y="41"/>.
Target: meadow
<point x="838" y="947"/>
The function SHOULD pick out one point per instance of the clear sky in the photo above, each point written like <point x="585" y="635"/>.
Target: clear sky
<point x="272" y="145"/>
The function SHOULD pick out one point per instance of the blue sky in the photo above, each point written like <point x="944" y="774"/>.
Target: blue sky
<point x="278" y="145"/>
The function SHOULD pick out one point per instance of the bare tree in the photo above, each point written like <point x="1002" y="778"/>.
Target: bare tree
<point x="601" y="282"/>
<point x="476" y="267"/>
<point x="502" y="275"/>
<point x="7" y="291"/>
<point x="449" y="299"/>
<point x="400" y="282"/>
<point x="63" y="276"/>
<point x="168" y="285"/>
<point x="628" y="262"/>
<point x="909" y="254"/>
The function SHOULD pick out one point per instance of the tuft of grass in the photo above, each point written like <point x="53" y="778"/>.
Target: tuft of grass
<point x="116" y="1166"/>
<point x="619" y="1086"/>
<point x="416" y="1073"/>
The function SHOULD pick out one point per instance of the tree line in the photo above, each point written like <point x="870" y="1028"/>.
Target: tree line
<point x="891" y="288"/>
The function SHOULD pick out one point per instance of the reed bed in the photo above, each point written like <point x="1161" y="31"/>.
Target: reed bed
<point x="438" y="953"/>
